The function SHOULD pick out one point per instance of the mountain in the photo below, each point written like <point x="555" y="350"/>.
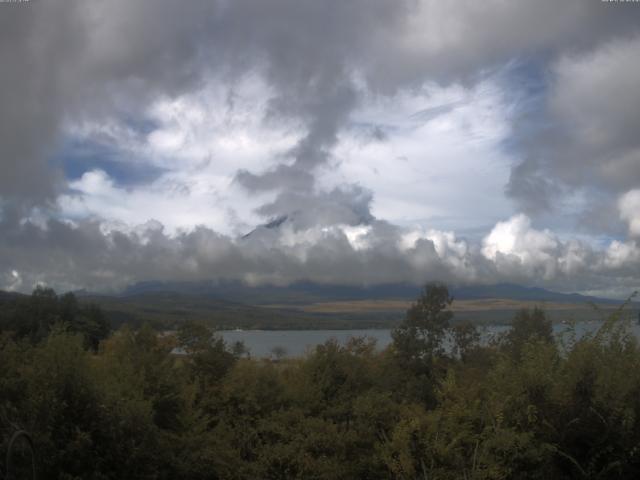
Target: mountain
<point x="310" y="292"/>
<point x="309" y="305"/>
<point x="272" y="225"/>
<point x="7" y="297"/>
<point x="518" y="292"/>
<point x="166" y="310"/>
<point x="4" y="294"/>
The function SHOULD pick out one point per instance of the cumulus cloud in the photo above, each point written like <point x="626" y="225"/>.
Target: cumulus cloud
<point x="85" y="254"/>
<point x="622" y="254"/>
<point x="629" y="206"/>
<point x="518" y="250"/>
<point x="178" y="204"/>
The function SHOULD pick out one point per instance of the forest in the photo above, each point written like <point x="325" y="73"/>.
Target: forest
<point x="436" y="404"/>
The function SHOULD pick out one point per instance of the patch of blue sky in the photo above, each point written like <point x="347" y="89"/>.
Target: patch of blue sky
<point x="526" y="84"/>
<point x="76" y="157"/>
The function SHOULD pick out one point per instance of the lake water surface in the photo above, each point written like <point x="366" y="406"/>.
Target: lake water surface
<point x="261" y="343"/>
<point x="297" y="342"/>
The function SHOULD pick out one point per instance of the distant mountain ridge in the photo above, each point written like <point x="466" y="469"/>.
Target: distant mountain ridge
<point x="305" y="292"/>
<point x="518" y="292"/>
<point x="308" y="305"/>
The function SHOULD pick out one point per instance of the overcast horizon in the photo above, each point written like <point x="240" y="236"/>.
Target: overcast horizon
<point x="359" y="142"/>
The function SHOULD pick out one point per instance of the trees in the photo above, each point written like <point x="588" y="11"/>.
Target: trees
<point x="420" y="336"/>
<point x="418" y="343"/>
<point x="136" y="409"/>
<point x="278" y="353"/>
<point x="208" y="357"/>
<point x="465" y="337"/>
<point x="33" y="317"/>
<point x="527" y="326"/>
<point x="421" y="333"/>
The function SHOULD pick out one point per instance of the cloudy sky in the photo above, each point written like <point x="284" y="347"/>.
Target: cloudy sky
<point x="351" y="142"/>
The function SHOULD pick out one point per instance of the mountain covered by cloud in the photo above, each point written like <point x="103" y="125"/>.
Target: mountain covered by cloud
<point x="380" y="141"/>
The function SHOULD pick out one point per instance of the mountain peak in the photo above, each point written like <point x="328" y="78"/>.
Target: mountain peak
<point x="270" y="225"/>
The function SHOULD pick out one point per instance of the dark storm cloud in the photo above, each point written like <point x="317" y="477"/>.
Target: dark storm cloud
<point x="536" y="191"/>
<point x="83" y="60"/>
<point x="29" y="99"/>
<point x="590" y="142"/>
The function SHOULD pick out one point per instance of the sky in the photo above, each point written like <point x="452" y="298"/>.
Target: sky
<point x="360" y="142"/>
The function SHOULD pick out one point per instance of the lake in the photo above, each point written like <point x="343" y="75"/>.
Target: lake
<point x="298" y="342"/>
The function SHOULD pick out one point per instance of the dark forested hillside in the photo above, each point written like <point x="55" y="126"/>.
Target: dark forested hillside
<point x="307" y="292"/>
<point x="307" y="305"/>
<point x="167" y="310"/>
<point x="523" y="407"/>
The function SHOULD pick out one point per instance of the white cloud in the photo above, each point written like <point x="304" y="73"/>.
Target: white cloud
<point x="434" y="137"/>
<point x="102" y="255"/>
<point x="515" y="245"/>
<point x="629" y="206"/>
<point x="176" y="201"/>
<point x="199" y="141"/>
<point x="13" y="282"/>
<point x="220" y="126"/>
<point x="440" y="162"/>
<point x="622" y="254"/>
<point x="516" y="237"/>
